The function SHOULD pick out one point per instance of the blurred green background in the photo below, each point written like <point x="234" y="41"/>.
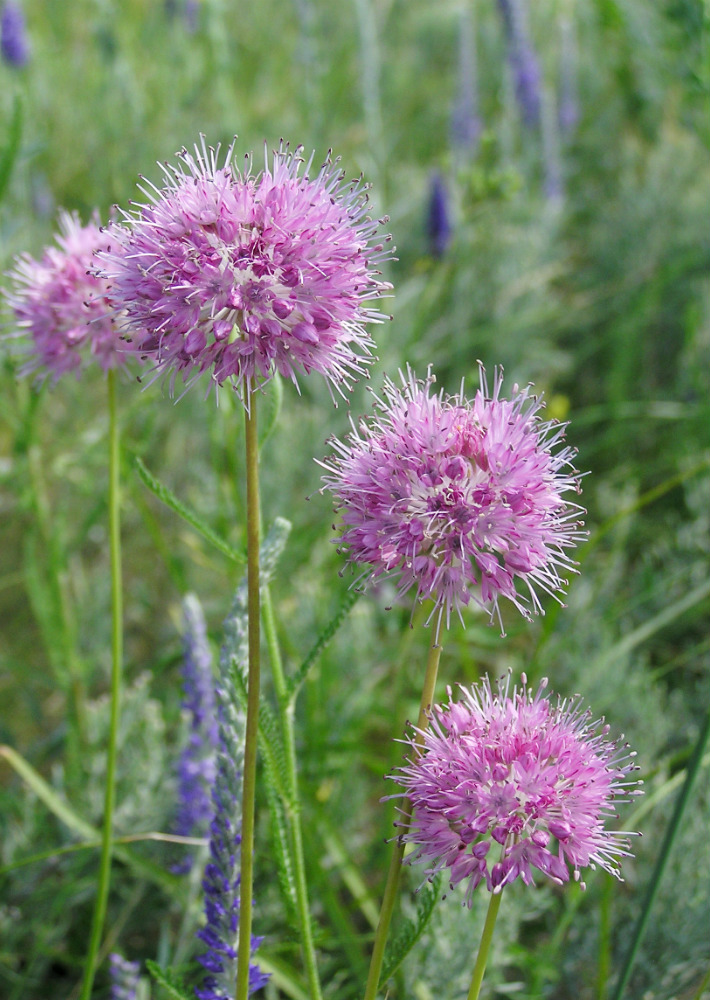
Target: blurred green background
<point x="577" y="256"/>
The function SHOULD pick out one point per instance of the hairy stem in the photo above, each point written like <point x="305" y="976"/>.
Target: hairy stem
<point x="252" y="723"/>
<point x="286" y="712"/>
<point x="392" y="885"/>
<point x="114" y="513"/>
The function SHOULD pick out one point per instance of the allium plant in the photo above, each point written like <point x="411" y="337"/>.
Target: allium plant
<point x="242" y="275"/>
<point x="196" y="766"/>
<point x="62" y="314"/>
<point x="461" y="501"/>
<point x="60" y="308"/>
<point x="506" y="783"/>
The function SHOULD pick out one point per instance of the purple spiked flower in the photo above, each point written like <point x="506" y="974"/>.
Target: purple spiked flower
<point x="14" y="45"/>
<point x="438" y="223"/>
<point x="196" y="766"/>
<point x="522" y="58"/>
<point x="62" y="307"/>
<point x="465" y="120"/>
<point x="505" y="783"/>
<point x="222" y="877"/>
<point x="243" y="276"/>
<point x="124" y="977"/>
<point x="459" y="499"/>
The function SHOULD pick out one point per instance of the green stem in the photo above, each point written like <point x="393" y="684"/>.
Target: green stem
<point x="114" y="514"/>
<point x="666" y="847"/>
<point x="392" y="885"/>
<point x="286" y="711"/>
<point x="484" y="947"/>
<point x="252" y="724"/>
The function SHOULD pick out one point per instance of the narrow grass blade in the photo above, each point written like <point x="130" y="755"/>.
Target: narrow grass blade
<point x="64" y="812"/>
<point x="271" y="409"/>
<point x="667" y="846"/>
<point x="12" y="147"/>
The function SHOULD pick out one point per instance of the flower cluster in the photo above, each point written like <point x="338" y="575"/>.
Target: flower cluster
<point x="242" y="276"/>
<point x="504" y="783"/>
<point x="458" y="499"/>
<point x="62" y="307"/>
<point x="522" y="58"/>
<point x="124" y="977"/>
<point x="196" y="766"/>
<point x="14" y="46"/>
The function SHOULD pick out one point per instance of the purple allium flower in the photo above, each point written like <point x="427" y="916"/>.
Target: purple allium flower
<point x="457" y="498"/>
<point x="522" y="58"/>
<point x="196" y="766"/>
<point x="62" y="307"/>
<point x="14" y="45"/>
<point x="438" y="223"/>
<point x="501" y="784"/>
<point x="124" y="977"/>
<point x="244" y="275"/>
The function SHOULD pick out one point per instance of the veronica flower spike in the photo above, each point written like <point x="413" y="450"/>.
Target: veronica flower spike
<point x="508" y="784"/>
<point x="196" y="765"/>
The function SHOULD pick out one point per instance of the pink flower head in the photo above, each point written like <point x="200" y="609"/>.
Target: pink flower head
<point x="62" y="306"/>
<point x="244" y="275"/>
<point x="501" y="784"/>
<point x="460" y="499"/>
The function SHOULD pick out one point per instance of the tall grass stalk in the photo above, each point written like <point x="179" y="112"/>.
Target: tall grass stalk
<point x="114" y="514"/>
<point x="392" y="885"/>
<point x="254" y="678"/>
<point x="664" y="854"/>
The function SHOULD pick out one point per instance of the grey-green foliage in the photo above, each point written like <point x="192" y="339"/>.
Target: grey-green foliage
<point x="440" y="967"/>
<point x="145" y="786"/>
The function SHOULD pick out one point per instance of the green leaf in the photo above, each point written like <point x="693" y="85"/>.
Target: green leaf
<point x="270" y="742"/>
<point x="296" y="681"/>
<point x="281" y="844"/>
<point x="408" y="935"/>
<point x="171" y="983"/>
<point x="167" y="497"/>
<point x="12" y="147"/>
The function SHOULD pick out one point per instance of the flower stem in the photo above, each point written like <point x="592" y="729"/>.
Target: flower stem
<point x="252" y="724"/>
<point x="114" y="514"/>
<point x="390" y="895"/>
<point x="286" y="711"/>
<point x="484" y="947"/>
